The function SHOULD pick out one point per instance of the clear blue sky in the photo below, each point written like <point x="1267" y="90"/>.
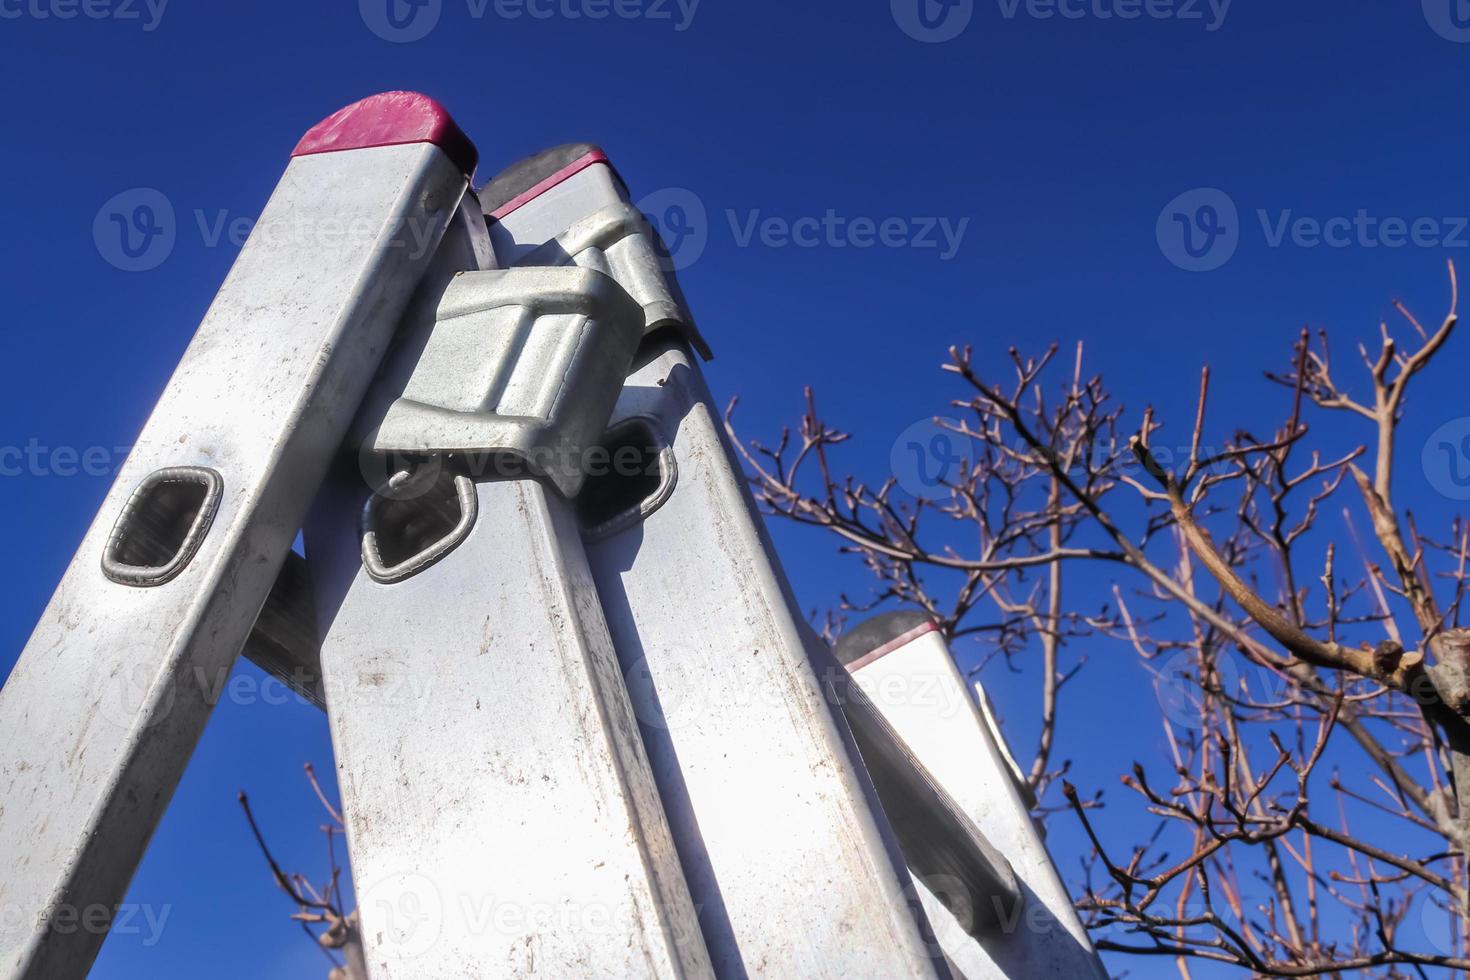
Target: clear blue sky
<point x="1054" y="143"/>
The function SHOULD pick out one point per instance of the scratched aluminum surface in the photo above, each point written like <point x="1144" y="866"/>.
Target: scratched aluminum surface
<point x="785" y="848"/>
<point x="788" y="856"/>
<point x="919" y="690"/>
<point x="110" y="695"/>
<point x="501" y="816"/>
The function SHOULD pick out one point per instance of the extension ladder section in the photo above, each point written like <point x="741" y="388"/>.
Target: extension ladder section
<point x="580" y="726"/>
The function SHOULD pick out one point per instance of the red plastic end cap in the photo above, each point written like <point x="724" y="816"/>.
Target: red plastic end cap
<point x="391" y="119"/>
<point x="523" y="195"/>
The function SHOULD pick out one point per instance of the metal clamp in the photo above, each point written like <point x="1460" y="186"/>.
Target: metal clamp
<point x="619" y="241"/>
<point x="522" y="365"/>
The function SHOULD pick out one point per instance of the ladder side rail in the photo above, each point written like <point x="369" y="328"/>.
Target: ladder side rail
<point x="900" y="660"/>
<point x="502" y="818"/>
<point x="110" y="695"/>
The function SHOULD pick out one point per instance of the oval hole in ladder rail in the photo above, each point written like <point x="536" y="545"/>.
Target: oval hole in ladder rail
<point x="417" y="520"/>
<point x="162" y="526"/>
<point x="631" y="476"/>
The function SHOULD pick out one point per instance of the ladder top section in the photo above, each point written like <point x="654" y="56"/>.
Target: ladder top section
<point x="525" y="180"/>
<point x="881" y="635"/>
<point x="391" y="119"/>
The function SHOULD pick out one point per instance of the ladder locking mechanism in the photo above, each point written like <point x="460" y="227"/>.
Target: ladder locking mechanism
<point x="517" y="376"/>
<point x="618" y="240"/>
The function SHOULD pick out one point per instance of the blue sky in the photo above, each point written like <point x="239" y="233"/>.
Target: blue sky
<point x="1028" y="161"/>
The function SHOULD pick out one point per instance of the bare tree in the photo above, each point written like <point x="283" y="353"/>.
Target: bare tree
<point x="1320" y="790"/>
<point x="320" y="908"/>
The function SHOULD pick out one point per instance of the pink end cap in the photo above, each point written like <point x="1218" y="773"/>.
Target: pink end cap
<point x="898" y="642"/>
<point x="570" y="170"/>
<point x="391" y="119"/>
